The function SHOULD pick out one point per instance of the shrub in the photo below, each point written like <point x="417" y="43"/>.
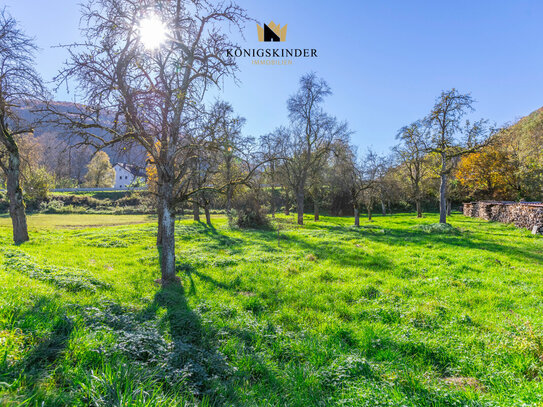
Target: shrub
<point x="38" y="184"/>
<point x="250" y="215"/>
<point x="83" y="200"/>
<point x="134" y="199"/>
<point x="249" y="218"/>
<point x="53" y="206"/>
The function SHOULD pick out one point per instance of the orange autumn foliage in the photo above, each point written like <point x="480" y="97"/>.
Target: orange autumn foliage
<point x="488" y="174"/>
<point x="151" y="171"/>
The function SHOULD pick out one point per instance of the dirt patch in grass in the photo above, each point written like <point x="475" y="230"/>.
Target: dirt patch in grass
<point x="464" y="383"/>
<point x="246" y="293"/>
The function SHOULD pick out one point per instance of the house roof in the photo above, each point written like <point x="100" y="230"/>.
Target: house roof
<point x="132" y="169"/>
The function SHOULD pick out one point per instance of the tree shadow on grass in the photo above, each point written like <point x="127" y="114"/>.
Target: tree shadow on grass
<point x="193" y="359"/>
<point x="189" y="270"/>
<point x="342" y="256"/>
<point x="182" y="321"/>
<point x="219" y="240"/>
<point x="44" y="356"/>
<point x="396" y="236"/>
<point x="403" y="237"/>
<point x="345" y="254"/>
<point x="267" y="241"/>
<point x="335" y="251"/>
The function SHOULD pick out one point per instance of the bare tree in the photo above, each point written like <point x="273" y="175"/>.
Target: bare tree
<point x="349" y="175"/>
<point x="319" y="186"/>
<point x="200" y="173"/>
<point x="360" y="177"/>
<point x="449" y="139"/>
<point x="386" y="185"/>
<point x="281" y="174"/>
<point x="151" y="98"/>
<point x="372" y="171"/>
<point x="307" y="142"/>
<point x="412" y="155"/>
<point x="221" y="167"/>
<point x="271" y="151"/>
<point x="20" y="87"/>
<point x="232" y="153"/>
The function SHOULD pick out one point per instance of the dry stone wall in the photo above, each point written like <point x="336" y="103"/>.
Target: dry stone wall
<point x="527" y="215"/>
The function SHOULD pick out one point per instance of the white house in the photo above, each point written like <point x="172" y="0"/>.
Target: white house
<point x="126" y="174"/>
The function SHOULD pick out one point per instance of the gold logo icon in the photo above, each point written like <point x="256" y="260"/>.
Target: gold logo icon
<point x="271" y="32"/>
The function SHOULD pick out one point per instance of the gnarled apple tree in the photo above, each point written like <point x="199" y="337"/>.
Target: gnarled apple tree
<point x="152" y="97"/>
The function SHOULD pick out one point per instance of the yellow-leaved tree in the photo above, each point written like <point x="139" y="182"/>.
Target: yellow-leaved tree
<point x="488" y="174"/>
<point x="100" y="173"/>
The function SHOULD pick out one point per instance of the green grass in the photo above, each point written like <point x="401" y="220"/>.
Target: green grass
<point x="39" y="222"/>
<point x="396" y="313"/>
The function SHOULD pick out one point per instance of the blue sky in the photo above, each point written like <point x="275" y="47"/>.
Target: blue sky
<point x="385" y="61"/>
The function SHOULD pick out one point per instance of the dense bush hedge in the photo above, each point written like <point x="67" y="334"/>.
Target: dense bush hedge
<point x="117" y="202"/>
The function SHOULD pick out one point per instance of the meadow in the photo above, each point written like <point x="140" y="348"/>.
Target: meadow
<point x="398" y="312"/>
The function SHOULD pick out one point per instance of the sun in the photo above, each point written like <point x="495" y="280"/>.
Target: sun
<point x="153" y="32"/>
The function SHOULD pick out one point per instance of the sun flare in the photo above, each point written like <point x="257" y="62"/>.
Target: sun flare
<point x="152" y="32"/>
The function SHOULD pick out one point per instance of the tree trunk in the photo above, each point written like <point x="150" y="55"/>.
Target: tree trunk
<point x="208" y="215"/>
<point x="300" y="206"/>
<point x="356" y="217"/>
<point x="160" y="228"/>
<point x="316" y="211"/>
<point x="166" y="249"/>
<point x="418" y="205"/>
<point x="383" y="208"/>
<point x="443" y="194"/>
<point x="229" y="201"/>
<point x="272" y="201"/>
<point x="229" y="188"/>
<point x="369" y="212"/>
<point x="196" y="211"/>
<point x="15" y="196"/>
<point x="287" y="204"/>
